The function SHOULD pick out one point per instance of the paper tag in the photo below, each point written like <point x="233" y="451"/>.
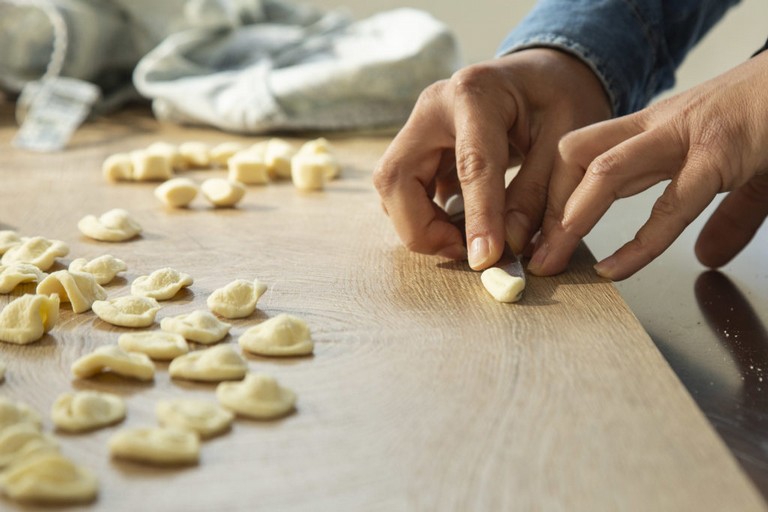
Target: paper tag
<point x="51" y="110"/>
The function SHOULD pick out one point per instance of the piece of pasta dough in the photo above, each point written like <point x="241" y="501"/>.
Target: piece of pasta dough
<point x="501" y="285"/>
<point x="28" y="318"/>
<point x="177" y="192"/>
<point x="221" y="153"/>
<point x="317" y="146"/>
<point x="249" y="167"/>
<point x="327" y="156"/>
<point x="158" y="345"/>
<point x="257" y="396"/>
<point x="151" y="166"/>
<point x="237" y="299"/>
<point x="283" y="335"/>
<point x="22" y="440"/>
<point x="103" y="268"/>
<point x="116" y="225"/>
<point x="117" y="167"/>
<point x="129" y="311"/>
<point x="278" y="155"/>
<point x="115" y="360"/>
<point x="205" y="418"/>
<point x="38" y="251"/>
<point x="78" y="288"/>
<point x="200" y="326"/>
<point x="14" y="274"/>
<point x="213" y="364"/>
<point x="87" y="410"/>
<point x="171" y="152"/>
<point x="13" y="412"/>
<point x="8" y="239"/>
<point x="222" y="193"/>
<point x="156" y="445"/>
<point x="49" y="478"/>
<point x="162" y="284"/>
<point x="309" y="171"/>
<point x="195" y="154"/>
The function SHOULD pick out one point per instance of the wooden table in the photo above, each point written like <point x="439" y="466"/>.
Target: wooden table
<point x="423" y="393"/>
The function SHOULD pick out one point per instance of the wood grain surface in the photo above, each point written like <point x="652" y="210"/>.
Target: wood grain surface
<point x="423" y="392"/>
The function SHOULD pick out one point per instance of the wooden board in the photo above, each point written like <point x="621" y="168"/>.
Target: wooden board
<point x="423" y="393"/>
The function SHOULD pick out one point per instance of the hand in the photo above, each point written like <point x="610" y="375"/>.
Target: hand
<point x="709" y="139"/>
<point x="465" y="132"/>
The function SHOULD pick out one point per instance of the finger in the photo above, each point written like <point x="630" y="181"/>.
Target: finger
<point x="403" y="179"/>
<point x="526" y="195"/>
<point x="576" y="151"/>
<point x="482" y="154"/>
<point x="628" y="168"/>
<point x="682" y="201"/>
<point x="734" y="223"/>
<point x="448" y="184"/>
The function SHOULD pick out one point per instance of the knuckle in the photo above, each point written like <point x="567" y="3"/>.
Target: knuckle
<point x="714" y="144"/>
<point x="530" y="197"/>
<point x="568" y="148"/>
<point x="553" y="214"/>
<point x="669" y="211"/>
<point x="665" y="207"/>
<point x="472" y="79"/>
<point x="471" y="165"/>
<point x="709" y="167"/>
<point x="417" y="245"/>
<point x="602" y="166"/>
<point x="430" y="96"/>
<point x="713" y="141"/>
<point x="384" y="179"/>
<point x="649" y="248"/>
<point x="536" y="190"/>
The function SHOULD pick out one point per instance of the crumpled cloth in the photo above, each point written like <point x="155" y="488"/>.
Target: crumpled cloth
<point x="249" y="66"/>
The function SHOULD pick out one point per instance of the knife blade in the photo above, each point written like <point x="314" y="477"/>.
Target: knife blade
<point x="509" y="261"/>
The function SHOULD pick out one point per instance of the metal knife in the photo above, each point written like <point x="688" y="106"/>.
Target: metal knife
<point x="509" y="261"/>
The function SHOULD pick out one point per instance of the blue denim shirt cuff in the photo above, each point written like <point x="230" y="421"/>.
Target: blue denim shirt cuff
<point x="634" y="46"/>
<point x="608" y="36"/>
<point x="578" y="50"/>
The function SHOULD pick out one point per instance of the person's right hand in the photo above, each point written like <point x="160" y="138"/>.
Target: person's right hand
<point x="465" y="132"/>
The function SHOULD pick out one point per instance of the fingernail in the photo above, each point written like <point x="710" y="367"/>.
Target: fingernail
<point x="518" y="226"/>
<point x="539" y="257"/>
<point x="454" y="252"/>
<point x="478" y="252"/>
<point x="607" y="268"/>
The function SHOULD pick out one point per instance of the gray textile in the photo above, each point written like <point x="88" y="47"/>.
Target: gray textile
<point x="240" y="65"/>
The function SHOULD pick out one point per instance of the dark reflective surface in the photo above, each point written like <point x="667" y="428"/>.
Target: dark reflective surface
<point x="712" y="327"/>
<point x="741" y="417"/>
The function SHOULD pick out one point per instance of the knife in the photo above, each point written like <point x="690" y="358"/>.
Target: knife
<point x="509" y="261"/>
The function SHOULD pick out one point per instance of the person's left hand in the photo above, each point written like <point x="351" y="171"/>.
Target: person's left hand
<point x="712" y="138"/>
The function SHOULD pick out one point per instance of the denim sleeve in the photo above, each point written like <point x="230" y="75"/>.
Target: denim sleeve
<point x="634" y="46"/>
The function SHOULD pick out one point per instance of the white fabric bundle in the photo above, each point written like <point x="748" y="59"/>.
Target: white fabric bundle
<point x="240" y="65"/>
